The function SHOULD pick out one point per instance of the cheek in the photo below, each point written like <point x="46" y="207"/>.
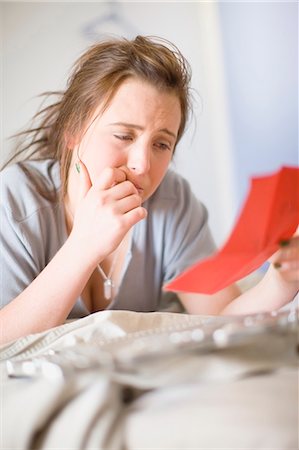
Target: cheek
<point x="97" y="157"/>
<point x="159" y="170"/>
<point x="94" y="164"/>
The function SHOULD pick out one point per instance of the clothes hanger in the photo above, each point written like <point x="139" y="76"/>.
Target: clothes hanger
<point x="111" y="22"/>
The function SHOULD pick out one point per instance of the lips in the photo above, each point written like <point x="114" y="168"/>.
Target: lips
<point x="139" y="188"/>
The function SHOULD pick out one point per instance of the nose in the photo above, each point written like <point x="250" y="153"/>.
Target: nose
<point x="139" y="159"/>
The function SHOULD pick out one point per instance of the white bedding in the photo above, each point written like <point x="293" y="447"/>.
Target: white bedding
<point x="118" y="390"/>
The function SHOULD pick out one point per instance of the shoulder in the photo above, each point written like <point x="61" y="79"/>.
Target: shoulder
<point x="19" y="194"/>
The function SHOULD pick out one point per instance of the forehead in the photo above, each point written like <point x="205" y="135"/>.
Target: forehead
<point x="141" y="100"/>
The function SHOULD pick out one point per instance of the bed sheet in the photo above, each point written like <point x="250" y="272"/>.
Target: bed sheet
<point x="119" y="380"/>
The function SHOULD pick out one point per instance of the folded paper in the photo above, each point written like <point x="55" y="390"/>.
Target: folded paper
<point x="270" y="214"/>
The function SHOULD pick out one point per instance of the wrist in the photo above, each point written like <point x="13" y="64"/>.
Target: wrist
<point x="81" y="253"/>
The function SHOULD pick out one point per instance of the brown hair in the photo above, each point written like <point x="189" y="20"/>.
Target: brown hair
<point x="96" y="76"/>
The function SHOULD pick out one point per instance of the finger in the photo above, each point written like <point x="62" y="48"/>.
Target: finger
<point x="285" y="246"/>
<point x="289" y="250"/>
<point x="289" y="265"/>
<point x="290" y="253"/>
<point x="290" y="275"/>
<point x="294" y="241"/>
<point x="133" y="216"/>
<point x="127" y="203"/>
<point x="109" y="178"/>
<point x="84" y="179"/>
<point x="124" y="189"/>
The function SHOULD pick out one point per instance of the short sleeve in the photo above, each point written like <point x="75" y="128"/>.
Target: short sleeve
<point x="18" y="269"/>
<point x="31" y="230"/>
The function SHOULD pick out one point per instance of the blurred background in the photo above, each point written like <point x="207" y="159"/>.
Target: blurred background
<point x="244" y="57"/>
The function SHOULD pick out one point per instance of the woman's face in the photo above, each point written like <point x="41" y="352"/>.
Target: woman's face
<point x="137" y="132"/>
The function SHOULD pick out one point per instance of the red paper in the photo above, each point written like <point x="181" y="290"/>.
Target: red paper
<point x="270" y="214"/>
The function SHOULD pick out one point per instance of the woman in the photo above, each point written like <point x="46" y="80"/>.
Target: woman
<point x="94" y="219"/>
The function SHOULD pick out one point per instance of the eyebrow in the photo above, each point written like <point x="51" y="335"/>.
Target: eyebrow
<point x="139" y="127"/>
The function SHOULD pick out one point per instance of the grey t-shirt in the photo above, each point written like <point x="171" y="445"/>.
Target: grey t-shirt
<point x="174" y="236"/>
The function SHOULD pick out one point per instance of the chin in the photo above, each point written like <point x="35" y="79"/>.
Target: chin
<point x="145" y="197"/>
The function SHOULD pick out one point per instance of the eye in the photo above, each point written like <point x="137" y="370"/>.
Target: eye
<point x="123" y="137"/>
<point x="163" y="146"/>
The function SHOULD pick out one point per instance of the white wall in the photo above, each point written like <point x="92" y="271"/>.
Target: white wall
<point x="260" y="43"/>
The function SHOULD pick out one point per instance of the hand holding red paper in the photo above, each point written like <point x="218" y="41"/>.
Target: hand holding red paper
<point x="286" y="259"/>
<point x="270" y="215"/>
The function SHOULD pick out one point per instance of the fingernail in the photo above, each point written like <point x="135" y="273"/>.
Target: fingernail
<point x="277" y="265"/>
<point x="77" y="167"/>
<point x="284" y="242"/>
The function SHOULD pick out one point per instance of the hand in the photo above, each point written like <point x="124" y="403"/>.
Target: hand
<point x="286" y="260"/>
<point x="105" y="212"/>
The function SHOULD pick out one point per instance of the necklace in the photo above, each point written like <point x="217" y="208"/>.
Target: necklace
<point x="108" y="282"/>
<point x="107" y="279"/>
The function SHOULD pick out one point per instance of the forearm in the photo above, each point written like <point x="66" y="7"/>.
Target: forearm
<point x="271" y="293"/>
<point x="47" y="301"/>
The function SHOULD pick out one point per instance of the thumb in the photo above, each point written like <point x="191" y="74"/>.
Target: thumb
<point x="84" y="180"/>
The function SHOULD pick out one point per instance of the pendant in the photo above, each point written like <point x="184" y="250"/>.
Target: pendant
<point x="108" y="285"/>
